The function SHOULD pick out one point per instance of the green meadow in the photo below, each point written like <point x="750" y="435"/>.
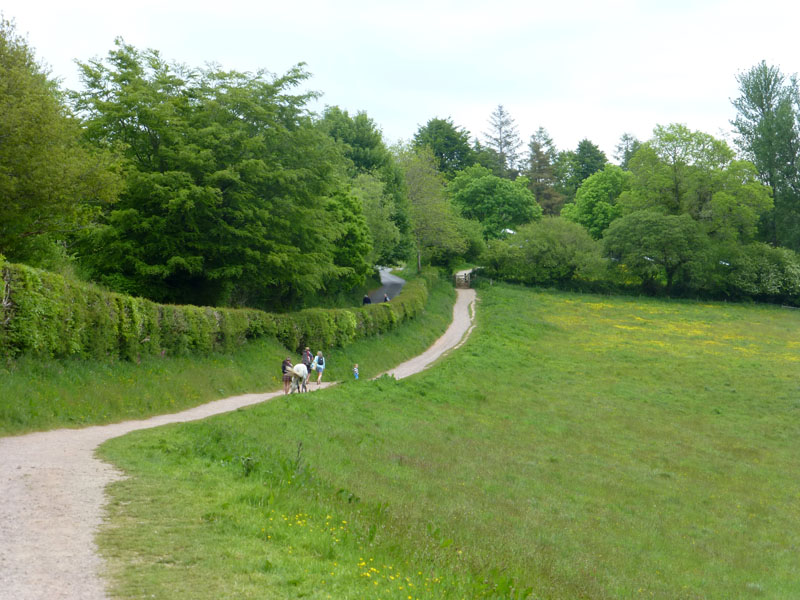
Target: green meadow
<point x="576" y="446"/>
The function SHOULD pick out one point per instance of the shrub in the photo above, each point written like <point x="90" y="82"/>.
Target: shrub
<point x="551" y="252"/>
<point x="44" y="315"/>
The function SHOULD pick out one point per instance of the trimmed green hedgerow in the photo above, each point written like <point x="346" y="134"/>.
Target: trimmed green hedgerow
<point x="45" y="315"/>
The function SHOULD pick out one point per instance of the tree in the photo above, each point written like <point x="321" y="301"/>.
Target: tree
<point x="589" y="159"/>
<point x="361" y="142"/>
<point x="550" y="251"/>
<point x="233" y="195"/>
<point x="487" y="157"/>
<point x="683" y="171"/>
<point x="434" y="221"/>
<point x="572" y="167"/>
<point x="497" y="203"/>
<point x="595" y="205"/>
<point x="655" y="246"/>
<point x="450" y="145"/>
<point x="378" y="209"/>
<point x="51" y="183"/>
<point x="767" y="127"/>
<point x="565" y="169"/>
<point x="540" y="171"/>
<point x="503" y="138"/>
<point x="625" y="149"/>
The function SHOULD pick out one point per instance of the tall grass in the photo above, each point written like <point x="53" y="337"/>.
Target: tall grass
<point x="43" y="394"/>
<point x="576" y="447"/>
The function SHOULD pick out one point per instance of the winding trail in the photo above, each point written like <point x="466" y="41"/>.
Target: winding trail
<point x="52" y="488"/>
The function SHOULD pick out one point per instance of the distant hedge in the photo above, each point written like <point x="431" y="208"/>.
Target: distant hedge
<point x="45" y="315"/>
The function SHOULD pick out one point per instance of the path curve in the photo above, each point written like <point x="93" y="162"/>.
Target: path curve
<point x="52" y="488"/>
<point x="391" y="285"/>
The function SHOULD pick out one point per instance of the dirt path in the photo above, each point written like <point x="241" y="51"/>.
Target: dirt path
<point x="52" y="489"/>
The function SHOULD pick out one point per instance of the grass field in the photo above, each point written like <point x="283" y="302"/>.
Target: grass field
<point x="39" y="395"/>
<point x="576" y="447"/>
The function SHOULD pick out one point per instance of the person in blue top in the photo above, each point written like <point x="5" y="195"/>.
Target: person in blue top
<point x="319" y="365"/>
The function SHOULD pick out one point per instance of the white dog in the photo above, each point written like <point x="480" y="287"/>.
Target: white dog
<point x="299" y="375"/>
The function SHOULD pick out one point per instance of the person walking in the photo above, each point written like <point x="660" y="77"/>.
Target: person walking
<point x="286" y="368"/>
<point x="307" y="360"/>
<point x="355" y="370"/>
<point x="386" y="297"/>
<point x="366" y="299"/>
<point x="319" y="365"/>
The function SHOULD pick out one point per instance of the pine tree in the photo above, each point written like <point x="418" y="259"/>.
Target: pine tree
<point x="503" y="138"/>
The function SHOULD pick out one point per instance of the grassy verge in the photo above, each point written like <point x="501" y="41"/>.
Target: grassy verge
<point x="38" y="395"/>
<point x="576" y="447"/>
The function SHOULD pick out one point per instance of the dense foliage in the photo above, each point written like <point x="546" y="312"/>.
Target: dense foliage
<point x="232" y="195"/>
<point x="496" y="203"/>
<point x="51" y="184"/>
<point x="552" y="251"/>
<point x="45" y="315"/>
<point x="221" y="188"/>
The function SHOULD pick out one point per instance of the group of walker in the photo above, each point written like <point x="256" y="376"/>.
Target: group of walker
<point x="295" y="377"/>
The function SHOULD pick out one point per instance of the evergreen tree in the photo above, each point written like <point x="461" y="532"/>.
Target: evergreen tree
<point x="540" y="171"/>
<point x="503" y="138"/>
<point x="450" y="145"/>
<point x="625" y="149"/>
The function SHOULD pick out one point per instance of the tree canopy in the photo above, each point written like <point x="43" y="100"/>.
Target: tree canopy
<point x="449" y="144"/>
<point x="233" y="196"/>
<point x="51" y="183"/>
<point x="497" y="203"/>
<point x="768" y="109"/>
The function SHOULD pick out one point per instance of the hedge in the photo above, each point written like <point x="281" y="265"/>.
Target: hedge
<point x="45" y="315"/>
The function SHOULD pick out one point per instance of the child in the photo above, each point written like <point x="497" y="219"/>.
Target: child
<point x="355" y="370"/>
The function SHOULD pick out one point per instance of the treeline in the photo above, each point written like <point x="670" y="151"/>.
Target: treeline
<point x="210" y="187"/>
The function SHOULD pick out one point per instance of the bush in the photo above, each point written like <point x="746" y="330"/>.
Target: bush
<point x="44" y="315"/>
<point x="553" y="251"/>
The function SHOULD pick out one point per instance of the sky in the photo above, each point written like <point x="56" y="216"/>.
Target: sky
<point x="591" y="69"/>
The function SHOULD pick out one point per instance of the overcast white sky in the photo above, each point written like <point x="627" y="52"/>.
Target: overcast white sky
<point x="580" y="68"/>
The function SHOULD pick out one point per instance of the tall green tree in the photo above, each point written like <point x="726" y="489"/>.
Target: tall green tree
<point x="362" y="144"/>
<point x="657" y="247"/>
<point x="565" y="172"/>
<point x="435" y="222"/>
<point x="497" y="203"/>
<point x="378" y="211"/>
<point x="589" y="159"/>
<point x="503" y="138"/>
<point x="540" y="171"/>
<point x="450" y="145"/>
<point x="595" y="205"/>
<point x="571" y="167"/>
<point x="682" y="171"/>
<point x="233" y="195"/>
<point x="51" y="183"/>
<point x="626" y="147"/>
<point x="487" y="157"/>
<point x="767" y="128"/>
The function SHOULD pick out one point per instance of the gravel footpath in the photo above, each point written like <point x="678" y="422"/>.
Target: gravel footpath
<point x="52" y="488"/>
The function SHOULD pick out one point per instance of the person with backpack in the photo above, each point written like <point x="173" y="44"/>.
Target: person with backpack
<point x="319" y="365"/>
